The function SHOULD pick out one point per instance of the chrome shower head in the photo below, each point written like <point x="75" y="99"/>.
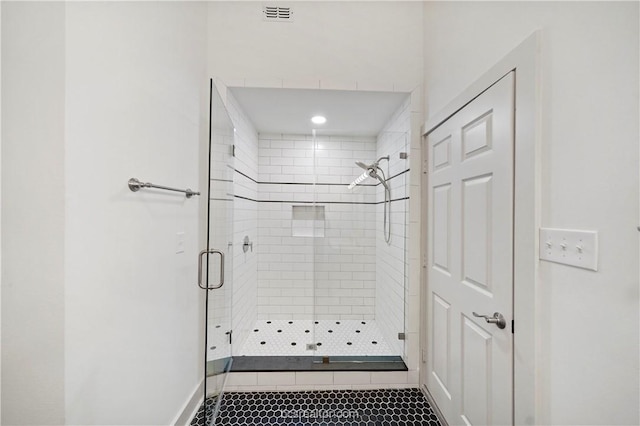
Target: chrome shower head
<point x="372" y="171"/>
<point x="362" y="165"/>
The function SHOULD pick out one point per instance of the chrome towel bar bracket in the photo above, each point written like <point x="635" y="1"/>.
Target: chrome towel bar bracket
<point x="135" y="185"/>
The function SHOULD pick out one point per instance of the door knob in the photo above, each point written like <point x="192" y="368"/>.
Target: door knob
<point x="496" y="319"/>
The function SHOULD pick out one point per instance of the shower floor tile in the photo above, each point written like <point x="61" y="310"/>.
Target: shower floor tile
<point x="218" y="342"/>
<point x="333" y="337"/>
<point x="400" y="407"/>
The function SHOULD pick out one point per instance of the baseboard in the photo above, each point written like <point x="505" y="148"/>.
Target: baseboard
<point x="190" y="407"/>
<point x="433" y="405"/>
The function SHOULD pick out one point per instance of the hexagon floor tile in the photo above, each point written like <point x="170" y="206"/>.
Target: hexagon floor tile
<point x="384" y="407"/>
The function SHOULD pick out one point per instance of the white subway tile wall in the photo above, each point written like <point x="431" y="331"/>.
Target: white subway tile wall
<point x="245" y="223"/>
<point x="391" y="265"/>
<point x="342" y="263"/>
<point x="324" y="380"/>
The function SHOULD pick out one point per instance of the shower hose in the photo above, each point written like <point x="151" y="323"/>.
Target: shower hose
<point x="387" y="208"/>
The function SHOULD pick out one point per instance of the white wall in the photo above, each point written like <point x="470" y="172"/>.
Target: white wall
<point x="134" y="80"/>
<point x="330" y="45"/>
<point x="33" y="213"/>
<point x="101" y="317"/>
<point x="588" y="364"/>
<point x="0" y="215"/>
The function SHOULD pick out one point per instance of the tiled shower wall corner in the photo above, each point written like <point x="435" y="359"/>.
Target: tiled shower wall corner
<point x="343" y="261"/>
<point x="245" y="223"/>
<point x="391" y="265"/>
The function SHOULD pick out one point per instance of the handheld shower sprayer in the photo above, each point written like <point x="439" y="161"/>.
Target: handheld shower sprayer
<point x="372" y="170"/>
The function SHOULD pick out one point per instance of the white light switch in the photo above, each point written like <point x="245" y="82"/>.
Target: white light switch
<point x="180" y="242"/>
<point x="570" y="247"/>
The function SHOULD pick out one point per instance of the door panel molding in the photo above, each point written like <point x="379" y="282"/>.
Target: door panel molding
<point x="476" y="374"/>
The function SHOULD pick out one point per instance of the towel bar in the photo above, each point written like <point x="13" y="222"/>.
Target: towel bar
<point x="135" y="185"/>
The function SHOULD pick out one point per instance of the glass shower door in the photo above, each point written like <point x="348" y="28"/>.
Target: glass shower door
<point x="361" y="200"/>
<point x="215" y="262"/>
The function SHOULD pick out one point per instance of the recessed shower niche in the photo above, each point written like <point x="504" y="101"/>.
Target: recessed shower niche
<point x="326" y="208"/>
<point x="307" y="221"/>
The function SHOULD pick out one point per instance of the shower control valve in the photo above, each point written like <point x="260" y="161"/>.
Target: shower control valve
<point x="246" y="244"/>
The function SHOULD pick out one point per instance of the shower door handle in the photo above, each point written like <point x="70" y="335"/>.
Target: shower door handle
<point x="221" y="283"/>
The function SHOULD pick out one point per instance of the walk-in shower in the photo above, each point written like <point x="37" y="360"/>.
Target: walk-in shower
<point x="325" y="286"/>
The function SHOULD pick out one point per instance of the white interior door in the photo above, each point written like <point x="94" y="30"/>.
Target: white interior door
<point x="470" y="259"/>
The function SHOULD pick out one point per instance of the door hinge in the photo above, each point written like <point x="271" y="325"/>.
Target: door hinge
<point x="233" y="150"/>
<point x="401" y="336"/>
<point x="424" y="356"/>
<point x="512" y="327"/>
<point x="425" y="168"/>
<point x="424" y="260"/>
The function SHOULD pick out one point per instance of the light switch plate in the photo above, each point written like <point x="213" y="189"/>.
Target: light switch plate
<point x="570" y="247"/>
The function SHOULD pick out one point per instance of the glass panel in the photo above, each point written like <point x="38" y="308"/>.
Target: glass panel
<point x="274" y="208"/>
<point x="327" y="283"/>
<point x="361" y="256"/>
<point x="218" y="271"/>
<point x="391" y="259"/>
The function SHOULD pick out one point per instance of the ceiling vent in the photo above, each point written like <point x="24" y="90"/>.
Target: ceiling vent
<point x="277" y="13"/>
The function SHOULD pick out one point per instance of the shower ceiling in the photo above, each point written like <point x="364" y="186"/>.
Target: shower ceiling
<point x="290" y="110"/>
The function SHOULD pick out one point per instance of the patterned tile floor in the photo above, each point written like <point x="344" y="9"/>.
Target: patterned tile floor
<point x="334" y="337"/>
<point x="218" y="339"/>
<point x="384" y="407"/>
